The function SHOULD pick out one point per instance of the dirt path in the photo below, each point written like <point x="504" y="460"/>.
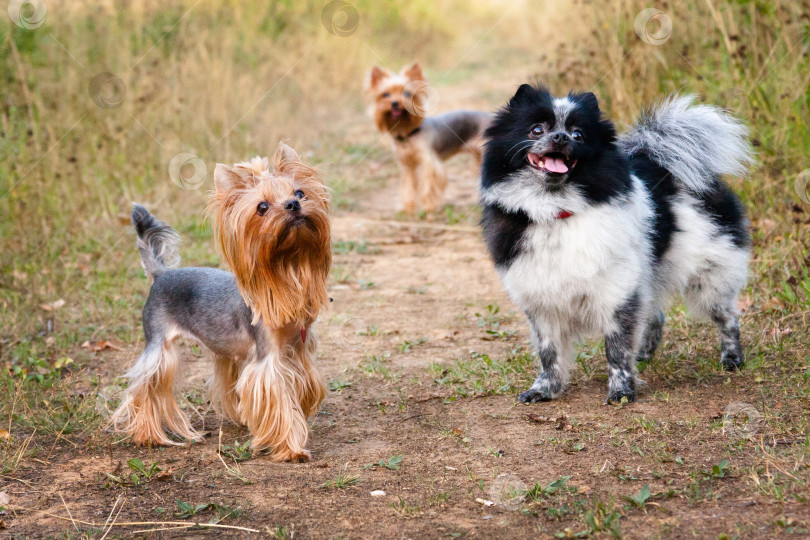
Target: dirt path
<point x="406" y="295"/>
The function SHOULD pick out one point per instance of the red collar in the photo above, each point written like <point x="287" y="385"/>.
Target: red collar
<point x="564" y="214"/>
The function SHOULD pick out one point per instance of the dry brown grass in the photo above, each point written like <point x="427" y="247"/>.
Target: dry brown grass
<point x="226" y="80"/>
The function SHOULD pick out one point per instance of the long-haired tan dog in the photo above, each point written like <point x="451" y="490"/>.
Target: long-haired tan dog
<point x="273" y="231"/>
<point x="398" y="103"/>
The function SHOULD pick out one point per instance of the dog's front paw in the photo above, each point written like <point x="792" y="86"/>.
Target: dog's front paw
<point x="731" y="360"/>
<point x="288" y="455"/>
<point x="299" y="457"/>
<point x="617" y="396"/>
<point x="534" y="395"/>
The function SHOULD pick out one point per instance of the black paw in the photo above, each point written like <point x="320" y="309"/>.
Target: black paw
<point x="533" y="396"/>
<point x="731" y="361"/>
<point x="618" y="395"/>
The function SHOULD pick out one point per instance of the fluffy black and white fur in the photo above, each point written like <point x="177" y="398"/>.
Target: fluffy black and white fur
<point x="592" y="234"/>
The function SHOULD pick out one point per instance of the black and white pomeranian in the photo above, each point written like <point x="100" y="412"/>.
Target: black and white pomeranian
<point x="592" y="233"/>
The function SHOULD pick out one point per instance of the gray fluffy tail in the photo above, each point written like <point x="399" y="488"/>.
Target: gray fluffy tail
<point x="157" y="242"/>
<point x="696" y="143"/>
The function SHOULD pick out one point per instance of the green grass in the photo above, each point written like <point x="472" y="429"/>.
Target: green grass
<point x="70" y="169"/>
<point x="482" y="375"/>
<point x="342" y="480"/>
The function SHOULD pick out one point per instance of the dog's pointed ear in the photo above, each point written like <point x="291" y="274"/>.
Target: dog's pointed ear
<point x="588" y="99"/>
<point x="413" y="72"/>
<point x="374" y="77"/>
<point x="284" y="156"/>
<point x="285" y="152"/>
<point x="227" y="178"/>
<point x="524" y="92"/>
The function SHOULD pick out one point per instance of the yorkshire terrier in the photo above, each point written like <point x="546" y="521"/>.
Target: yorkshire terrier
<point x="397" y="102"/>
<point x="273" y="232"/>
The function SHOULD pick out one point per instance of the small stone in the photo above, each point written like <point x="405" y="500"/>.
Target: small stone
<point x="378" y="493"/>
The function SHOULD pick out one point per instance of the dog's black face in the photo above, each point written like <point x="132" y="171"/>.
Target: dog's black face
<point x="560" y="141"/>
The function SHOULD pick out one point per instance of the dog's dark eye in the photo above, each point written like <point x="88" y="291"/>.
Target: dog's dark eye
<point x="407" y="94"/>
<point x="577" y="135"/>
<point x="263" y="207"/>
<point x="386" y="94"/>
<point x="299" y="194"/>
<point x="537" y="131"/>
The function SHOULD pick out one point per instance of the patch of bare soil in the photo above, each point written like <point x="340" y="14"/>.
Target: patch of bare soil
<point x="474" y="461"/>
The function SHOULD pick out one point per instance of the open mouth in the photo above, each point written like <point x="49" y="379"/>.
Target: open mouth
<point x="395" y="113"/>
<point x="553" y="162"/>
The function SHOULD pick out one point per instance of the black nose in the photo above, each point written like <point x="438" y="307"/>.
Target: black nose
<point x="395" y="104"/>
<point x="292" y="205"/>
<point x="560" y="138"/>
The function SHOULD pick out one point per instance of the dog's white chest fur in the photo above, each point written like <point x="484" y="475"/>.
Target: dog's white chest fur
<point x="575" y="273"/>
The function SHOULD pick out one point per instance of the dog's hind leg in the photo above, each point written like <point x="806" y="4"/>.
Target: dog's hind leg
<point x="652" y="336"/>
<point x="713" y="294"/>
<point x="149" y="402"/>
<point x="222" y="387"/>
<point x="731" y="353"/>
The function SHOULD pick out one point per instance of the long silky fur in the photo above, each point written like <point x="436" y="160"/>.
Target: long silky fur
<point x="265" y="346"/>
<point x="281" y="283"/>
<point x="276" y="395"/>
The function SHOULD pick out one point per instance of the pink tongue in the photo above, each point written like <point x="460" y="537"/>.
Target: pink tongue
<point x="554" y="164"/>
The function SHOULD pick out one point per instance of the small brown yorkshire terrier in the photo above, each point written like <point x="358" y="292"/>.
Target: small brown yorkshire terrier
<point x="397" y="103"/>
<point x="273" y="231"/>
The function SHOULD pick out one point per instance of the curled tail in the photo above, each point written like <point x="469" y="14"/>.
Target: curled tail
<point x="157" y="242"/>
<point x="696" y="143"/>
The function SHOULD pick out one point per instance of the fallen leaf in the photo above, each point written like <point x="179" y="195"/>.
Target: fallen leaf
<point x="164" y="476"/>
<point x="53" y="306"/>
<point x="772" y="304"/>
<point x="744" y="303"/>
<point x="457" y="432"/>
<point x="767" y="224"/>
<point x="4" y="498"/>
<point x="4" y="435"/>
<point x="98" y="346"/>
<point x="484" y="502"/>
<point x="561" y="422"/>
